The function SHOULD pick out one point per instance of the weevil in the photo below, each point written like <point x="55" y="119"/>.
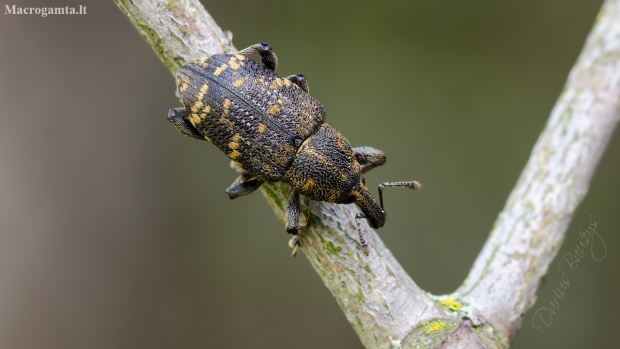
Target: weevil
<point x="273" y="130"/>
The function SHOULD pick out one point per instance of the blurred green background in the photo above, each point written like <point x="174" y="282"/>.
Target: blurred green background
<point x="116" y="232"/>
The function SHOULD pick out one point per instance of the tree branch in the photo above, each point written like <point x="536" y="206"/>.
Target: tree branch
<point x="529" y="231"/>
<point x="383" y="304"/>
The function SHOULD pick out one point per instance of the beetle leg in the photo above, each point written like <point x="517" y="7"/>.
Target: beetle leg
<point x="300" y="81"/>
<point x="293" y="210"/>
<point x="411" y="184"/>
<point x="177" y="117"/>
<point x="267" y="56"/>
<point x="369" y="158"/>
<point x="243" y="185"/>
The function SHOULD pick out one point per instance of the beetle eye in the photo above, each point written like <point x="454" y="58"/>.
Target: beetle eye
<point x="265" y="46"/>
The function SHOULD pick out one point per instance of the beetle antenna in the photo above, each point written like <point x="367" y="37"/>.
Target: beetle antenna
<point x="411" y="184"/>
<point x="365" y="248"/>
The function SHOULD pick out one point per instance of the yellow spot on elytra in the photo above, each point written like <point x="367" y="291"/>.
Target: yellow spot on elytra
<point x="207" y="138"/>
<point x="194" y="119"/>
<point x="274" y="108"/>
<point x="343" y="176"/>
<point x="194" y="109"/>
<point x="234" y="154"/>
<point x="435" y="326"/>
<point x="233" y="142"/>
<point x="198" y="104"/>
<point x="206" y="109"/>
<point x="287" y="82"/>
<point x="233" y="63"/>
<point x="261" y="128"/>
<point x="240" y="57"/>
<point x="204" y="88"/>
<point x="309" y="184"/>
<point x="261" y="82"/>
<point x="276" y="83"/>
<point x="203" y="115"/>
<point x="238" y="164"/>
<point x="226" y="106"/>
<point x="451" y="303"/>
<point x="219" y="70"/>
<point x="200" y="61"/>
<point x="238" y="82"/>
<point x="182" y="83"/>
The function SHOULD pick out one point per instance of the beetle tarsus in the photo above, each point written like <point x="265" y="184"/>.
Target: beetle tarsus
<point x="295" y="244"/>
<point x="267" y="56"/>
<point x="300" y="81"/>
<point x="178" y="118"/>
<point x="243" y="185"/>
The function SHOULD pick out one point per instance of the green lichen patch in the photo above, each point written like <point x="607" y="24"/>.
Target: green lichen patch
<point x="360" y="297"/>
<point x="359" y="324"/>
<point x="329" y="246"/>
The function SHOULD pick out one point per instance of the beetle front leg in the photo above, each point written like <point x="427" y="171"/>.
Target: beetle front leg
<point x="293" y="211"/>
<point x="177" y="117"/>
<point x="369" y="158"/>
<point x="267" y="56"/>
<point x="243" y="185"/>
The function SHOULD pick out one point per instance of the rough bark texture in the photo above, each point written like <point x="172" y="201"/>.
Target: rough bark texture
<point x="385" y="307"/>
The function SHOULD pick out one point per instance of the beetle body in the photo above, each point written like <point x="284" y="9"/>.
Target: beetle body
<point x="249" y="112"/>
<point x="270" y="126"/>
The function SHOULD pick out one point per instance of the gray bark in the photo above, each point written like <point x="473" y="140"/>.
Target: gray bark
<point x="383" y="304"/>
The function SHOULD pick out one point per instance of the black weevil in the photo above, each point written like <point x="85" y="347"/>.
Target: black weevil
<point x="270" y="127"/>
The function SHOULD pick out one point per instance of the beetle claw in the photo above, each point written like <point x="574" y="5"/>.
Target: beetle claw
<point x="295" y="241"/>
<point x="295" y="244"/>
